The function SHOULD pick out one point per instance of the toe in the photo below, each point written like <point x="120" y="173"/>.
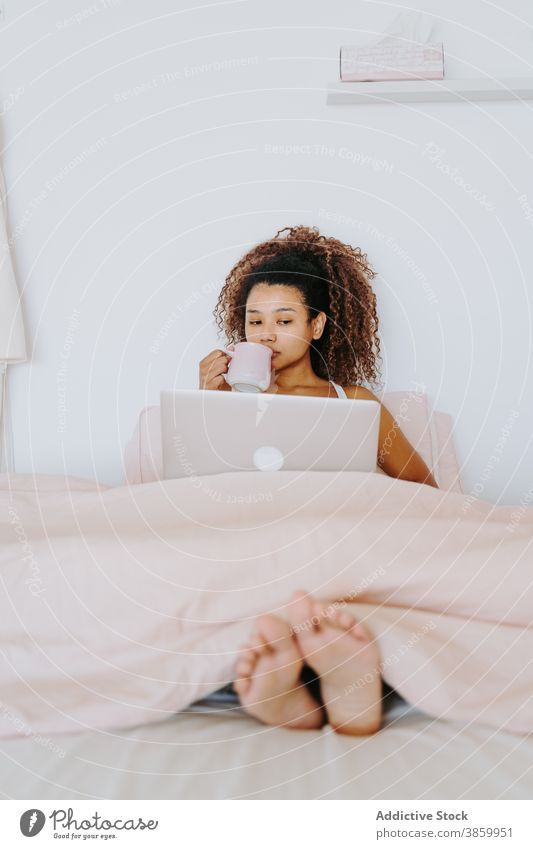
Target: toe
<point x="248" y="652"/>
<point x="321" y="615"/>
<point x="361" y="633"/>
<point x="299" y="594"/>
<point x="244" y="667"/>
<point x="249" y="655"/>
<point x="275" y="634"/>
<point x="261" y="647"/>
<point x="301" y="611"/>
<point x="241" y="685"/>
<point x="346" y="620"/>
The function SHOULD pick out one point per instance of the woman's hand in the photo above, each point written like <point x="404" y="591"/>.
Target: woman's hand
<point x="213" y="367"/>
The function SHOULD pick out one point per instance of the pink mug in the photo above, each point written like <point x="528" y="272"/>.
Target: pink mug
<point x="249" y="369"/>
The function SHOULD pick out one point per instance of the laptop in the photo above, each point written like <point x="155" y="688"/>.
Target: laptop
<point x="206" y="432"/>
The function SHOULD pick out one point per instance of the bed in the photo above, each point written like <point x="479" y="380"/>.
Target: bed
<point x="208" y="754"/>
<point x="431" y="745"/>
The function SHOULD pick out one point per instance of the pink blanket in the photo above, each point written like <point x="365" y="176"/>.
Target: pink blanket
<point x="123" y="605"/>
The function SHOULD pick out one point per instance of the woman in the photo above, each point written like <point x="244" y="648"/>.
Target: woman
<point x="308" y="297"/>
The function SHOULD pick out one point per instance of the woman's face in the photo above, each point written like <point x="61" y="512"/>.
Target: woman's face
<point x="277" y="317"/>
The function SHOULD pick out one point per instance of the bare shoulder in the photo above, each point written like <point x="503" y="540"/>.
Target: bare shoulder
<point x="360" y="393"/>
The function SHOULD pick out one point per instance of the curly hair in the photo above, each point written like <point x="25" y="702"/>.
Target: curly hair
<point x="333" y="278"/>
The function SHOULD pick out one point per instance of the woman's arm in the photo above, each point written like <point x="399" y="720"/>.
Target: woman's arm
<point x="396" y="455"/>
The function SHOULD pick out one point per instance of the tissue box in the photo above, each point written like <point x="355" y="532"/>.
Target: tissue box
<point x="390" y="61"/>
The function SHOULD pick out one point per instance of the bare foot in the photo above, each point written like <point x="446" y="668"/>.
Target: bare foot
<point x="344" y="655"/>
<point x="268" y="678"/>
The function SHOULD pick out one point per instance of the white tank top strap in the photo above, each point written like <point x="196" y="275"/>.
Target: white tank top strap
<point x="339" y="390"/>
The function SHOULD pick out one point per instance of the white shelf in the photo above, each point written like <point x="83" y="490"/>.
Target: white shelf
<point x="418" y="91"/>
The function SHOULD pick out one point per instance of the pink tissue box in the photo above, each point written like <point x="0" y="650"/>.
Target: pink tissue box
<point x="391" y="60"/>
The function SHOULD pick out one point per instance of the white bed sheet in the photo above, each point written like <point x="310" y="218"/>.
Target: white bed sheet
<point x="207" y="754"/>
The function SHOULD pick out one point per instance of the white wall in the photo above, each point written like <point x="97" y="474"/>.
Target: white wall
<point x="138" y="171"/>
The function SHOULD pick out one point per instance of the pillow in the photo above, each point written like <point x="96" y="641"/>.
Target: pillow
<point x="430" y="435"/>
<point x="143" y="459"/>
<point x="21" y="482"/>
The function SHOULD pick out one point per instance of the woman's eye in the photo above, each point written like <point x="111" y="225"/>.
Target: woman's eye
<point x="283" y="321"/>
